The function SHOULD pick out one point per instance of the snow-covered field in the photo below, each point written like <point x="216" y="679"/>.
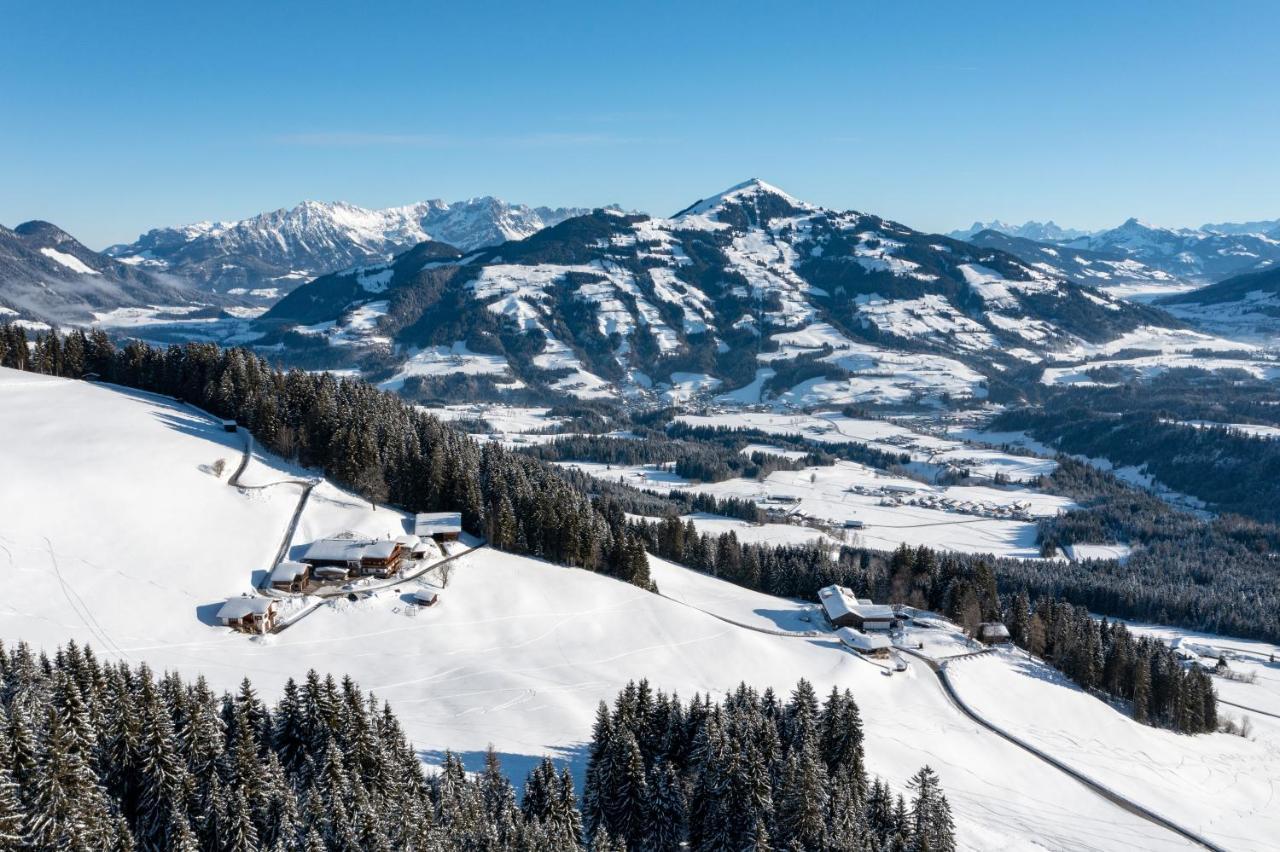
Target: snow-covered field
<point x="1221" y="785"/>
<point x="929" y="452"/>
<point x="893" y="510"/>
<point x="114" y="533"/>
<point x="1254" y="429"/>
<point x="1167" y="348"/>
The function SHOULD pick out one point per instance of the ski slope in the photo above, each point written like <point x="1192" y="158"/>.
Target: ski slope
<point x="113" y="532"/>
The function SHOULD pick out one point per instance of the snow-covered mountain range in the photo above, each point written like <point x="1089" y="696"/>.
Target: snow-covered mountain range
<point x="751" y="292"/>
<point x="1113" y="271"/>
<point x="272" y="252"/>
<point x="1270" y="227"/>
<point x="1196" y="255"/>
<point x="46" y="275"/>
<point x="1190" y="255"/>
<point x="1031" y="230"/>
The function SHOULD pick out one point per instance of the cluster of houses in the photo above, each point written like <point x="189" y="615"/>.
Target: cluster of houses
<point x="337" y="559"/>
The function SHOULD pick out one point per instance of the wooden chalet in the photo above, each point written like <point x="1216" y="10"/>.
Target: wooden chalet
<point x="439" y="526"/>
<point x="844" y="609"/>
<point x="290" y="576"/>
<point x="426" y="597"/>
<point x="415" y="547"/>
<point x="249" y="614"/>
<point x="335" y="553"/>
<point x="382" y="558"/>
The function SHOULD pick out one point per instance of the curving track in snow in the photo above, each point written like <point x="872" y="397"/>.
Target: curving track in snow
<point x="939" y="671"/>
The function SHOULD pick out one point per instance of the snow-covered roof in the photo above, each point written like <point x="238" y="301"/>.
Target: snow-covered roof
<point x="287" y="571"/>
<point x="425" y="595"/>
<point x="408" y="540"/>
<point x="875" y="612"/>
<point x="237" y="608"/>
<point x="993" y="630"/>
<point x="862" y="641"/>
<point x="837" y="601"/>
<point x="435" y="523"/>
<point x="331" y="571"/>
<point x="840" y="602"/>
<point x="381" y="549"/>
<point x="335" y="550"/>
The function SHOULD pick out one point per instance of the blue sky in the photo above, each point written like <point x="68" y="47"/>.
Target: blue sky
<point x="119" y="117"/>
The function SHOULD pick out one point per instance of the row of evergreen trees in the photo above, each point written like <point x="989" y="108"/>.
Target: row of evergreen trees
<point x="750" y="773"/>
<point x="370" y="441"/>
<point x="1106" y="657"/>
<point x="101" y="757"/>
<point x="108" y="758"/>
<point x="694" y="460"/>
<point x="1100" y="656"/>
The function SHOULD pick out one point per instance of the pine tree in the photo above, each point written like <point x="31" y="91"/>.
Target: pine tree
<point x="241" y="834"/>
<point x="161" y="774"/>
<point x="802" y="801"/>
<point x="594" y="793"/>
<point x="13" y="817"/>
<point x="931" y="826"/>
<point x="666" y="813"/>
<point x="66" y="809"/>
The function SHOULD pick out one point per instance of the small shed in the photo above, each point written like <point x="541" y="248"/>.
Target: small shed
<point x="382" y="558"/>
<point x="290" y="576"/>
<point x="993" y="633"/>
<point x="229" y="426"/>
<point x="249" y="614"/>
<point x="426" y="597"/>
<point x="871" y="644"/>
<point x="439" y="526"/>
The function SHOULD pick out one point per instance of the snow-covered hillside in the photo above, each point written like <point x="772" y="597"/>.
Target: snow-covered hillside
<point x="115" y="533"/>
<point x="1049" y="231"/>
<point x="47" y="276"/>
<point x="749" y="293"/>
<point x="282" y="248"/>
<point x="1245" y="307"/>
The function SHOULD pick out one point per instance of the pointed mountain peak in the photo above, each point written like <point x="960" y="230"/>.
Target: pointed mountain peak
<point x="753" y="192"/>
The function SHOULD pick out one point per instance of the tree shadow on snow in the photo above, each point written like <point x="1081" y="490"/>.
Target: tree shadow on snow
<point x="190" y="423"/>
<point x="788" y="619"/>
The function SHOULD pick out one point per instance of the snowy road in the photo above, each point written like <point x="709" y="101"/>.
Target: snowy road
<point x="939" y="670"/>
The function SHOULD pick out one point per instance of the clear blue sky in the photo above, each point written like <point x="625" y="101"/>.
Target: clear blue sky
<point x="119" y="117"/>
